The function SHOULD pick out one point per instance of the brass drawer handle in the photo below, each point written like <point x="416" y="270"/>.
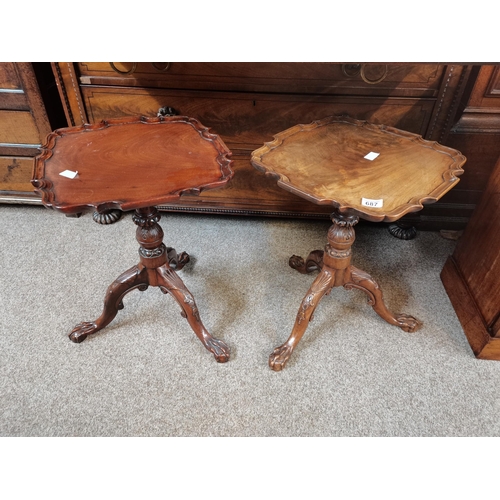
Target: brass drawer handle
<point x="129" y="72"/>
<point x="160" y="68"/>
<point x="352" y="70"/>
<point x="377" y="80"/>
<point x="157" y="66"/>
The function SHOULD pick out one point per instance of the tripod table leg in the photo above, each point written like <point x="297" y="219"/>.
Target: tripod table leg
<point x="135" y="277"/>
<point x="355" y="278"/>
<point x="169" y="282"/>
<point x="322" y="285"/>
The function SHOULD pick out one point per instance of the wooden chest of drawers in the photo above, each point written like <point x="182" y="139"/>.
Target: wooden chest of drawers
<point x="247" y="103"/>
<point x="23" y="127"/>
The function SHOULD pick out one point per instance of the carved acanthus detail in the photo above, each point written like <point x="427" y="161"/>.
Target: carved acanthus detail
<point x="175" y="283"/>
<point x="146" y="217"/>
<point x="155" y="252"/>
<point x="344" y="220"/>
<point x="322" y="282"/>
<point x="342" y="229"/>
<point x="356" y="277"/>
<point x="338" y="254"/>
<point x="189" y="300"/>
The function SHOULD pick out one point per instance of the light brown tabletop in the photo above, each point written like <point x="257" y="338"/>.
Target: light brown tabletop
<point x="328" y="162"/>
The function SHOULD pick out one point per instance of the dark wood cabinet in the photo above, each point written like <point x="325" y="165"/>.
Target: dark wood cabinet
<point x="471" y="276"/>
<point x="476" y="133"/>
<point x="457" y="105"/>
<point x="24" y="124"/>
<point x="247" y="103"/>
<point x="23" y="127"/>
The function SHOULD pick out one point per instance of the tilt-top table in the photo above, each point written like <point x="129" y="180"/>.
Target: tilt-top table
<point x="375" y="172"/>
<point x="135" y="164"/>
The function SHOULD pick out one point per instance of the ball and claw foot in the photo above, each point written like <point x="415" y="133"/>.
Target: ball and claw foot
<point x="177" y="260"/>
<point x="408" y="323"/>
<point x="218" y="349"/>
<point x="279" y="357"/>
<point x="80" y="332"/>
<point x="313" y="262"/>
<point x="296" y="262"/>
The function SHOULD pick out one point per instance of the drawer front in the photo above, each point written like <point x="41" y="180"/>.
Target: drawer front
<point x="18" y="127"/>
<point x="12" y="95"/>
<point x="15" y="174"/>
<point x="417" y="80"/>
<point x="9" y="79"/>
<point x="246" y="121"/>
<point x="249" y="193"/>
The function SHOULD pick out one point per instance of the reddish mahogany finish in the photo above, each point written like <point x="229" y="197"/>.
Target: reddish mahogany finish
<point x="129" y="163"/>
<point x="471" y="276"/>
<point x="136" y="163"/>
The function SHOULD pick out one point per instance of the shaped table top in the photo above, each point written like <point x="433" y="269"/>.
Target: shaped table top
<point x="373" y="171"/>
<point x="129" y="163"/>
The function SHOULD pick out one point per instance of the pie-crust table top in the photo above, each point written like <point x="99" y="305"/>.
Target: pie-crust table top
<point x="328" y="162"/>
<point x="129" y="163"/>
<point x="360" y="169"/>
<point x="136" y="164"/>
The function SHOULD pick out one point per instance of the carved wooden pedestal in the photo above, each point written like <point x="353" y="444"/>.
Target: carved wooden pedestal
<point x="335" y="269"/>
<point x="156" y="268"/>
<point x="363" y="170"/>
<point x="135" y="163"/>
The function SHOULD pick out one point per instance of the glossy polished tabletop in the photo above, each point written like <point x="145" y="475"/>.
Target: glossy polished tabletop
<point x="129" y="163"/>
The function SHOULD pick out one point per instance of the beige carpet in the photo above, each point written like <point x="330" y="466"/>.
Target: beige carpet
<point x="147" y="374"/>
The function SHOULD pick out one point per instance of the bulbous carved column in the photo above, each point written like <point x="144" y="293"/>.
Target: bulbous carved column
<point x="340" y="236"/>
<point x="337" y="254"/>
<point x="149" y="235"/>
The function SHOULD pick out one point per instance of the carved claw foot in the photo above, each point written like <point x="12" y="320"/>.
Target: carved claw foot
<point x="82" y="330"/>
<point x="279" y="357"/>
<point x="218" y="349"/>
<point x="408" y="323"/>
<point x="177" y="260"/>
<point x="313" y="262"/>
<point x="296" y="262"/>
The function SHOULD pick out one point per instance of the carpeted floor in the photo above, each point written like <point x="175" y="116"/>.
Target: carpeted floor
<point x="147" y="374"/>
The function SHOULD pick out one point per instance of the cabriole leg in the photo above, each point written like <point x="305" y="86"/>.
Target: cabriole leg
<point x="321" y="286"/>
<point x="356" y="278"/>
<point x="136" y="277"/>
<point x="169" y="282"/>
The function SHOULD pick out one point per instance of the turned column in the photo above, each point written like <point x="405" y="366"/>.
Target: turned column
<point x="152" y="252"/>
<point x="337" y="254"/>
<point x="149" y="235"/>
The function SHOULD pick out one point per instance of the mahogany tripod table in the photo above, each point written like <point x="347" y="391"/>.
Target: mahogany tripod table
<point x="135" y="164"/>
<point x="375" y="172"/>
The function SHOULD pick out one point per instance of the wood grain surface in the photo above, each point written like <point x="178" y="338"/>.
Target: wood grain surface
<point x="130" y="163"/>
<point x="325" y="162"/>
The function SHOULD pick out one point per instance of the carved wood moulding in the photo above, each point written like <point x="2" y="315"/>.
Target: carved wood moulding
<point x="122" y="164"/>
<point x="321" y="162"/>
